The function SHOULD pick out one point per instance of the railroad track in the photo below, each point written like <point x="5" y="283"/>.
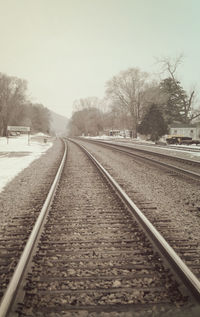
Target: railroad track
<point x="180" y="165"/>
<point x="175" y="147"/>
<point x="164" y="145"/>
<point x="176" y="232"/>
<point x="183" y="148"/>
<point x="92" y="255"/>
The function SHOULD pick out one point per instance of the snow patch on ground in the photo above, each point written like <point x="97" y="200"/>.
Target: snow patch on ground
<point x="16" y="154"/>
<point x="103" y="137"/>
<point x="41" y="134"/>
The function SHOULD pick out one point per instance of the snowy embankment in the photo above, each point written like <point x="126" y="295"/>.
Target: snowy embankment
<point x="16" y="153"/>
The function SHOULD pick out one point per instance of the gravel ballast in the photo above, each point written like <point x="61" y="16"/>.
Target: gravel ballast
<point x="20" y="204"/>
<point x="174" y="197"/>
<point x="21" y="194"/>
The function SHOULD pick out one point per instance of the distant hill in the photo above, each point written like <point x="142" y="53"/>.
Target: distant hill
<point x="58" y="123"/>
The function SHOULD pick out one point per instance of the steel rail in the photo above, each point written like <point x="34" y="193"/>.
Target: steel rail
<point x="166" y="165"/>
<point x="16" y="279"/>
<point x="176" y="263"/>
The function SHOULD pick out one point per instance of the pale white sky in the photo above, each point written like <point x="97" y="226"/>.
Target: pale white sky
<point x="68" y="49"/>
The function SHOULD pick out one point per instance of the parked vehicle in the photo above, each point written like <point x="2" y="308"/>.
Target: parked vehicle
<point x="178" y="139"/>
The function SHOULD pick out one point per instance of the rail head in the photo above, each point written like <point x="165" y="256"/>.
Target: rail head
<point x="175" y="262"/>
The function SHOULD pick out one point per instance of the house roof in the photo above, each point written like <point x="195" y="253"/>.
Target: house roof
<point x="182" y="125"/>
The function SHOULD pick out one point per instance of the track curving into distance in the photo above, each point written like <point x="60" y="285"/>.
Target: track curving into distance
<point x="92" y="255"/>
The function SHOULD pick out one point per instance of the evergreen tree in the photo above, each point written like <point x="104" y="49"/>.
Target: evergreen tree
<point x="153" y="123"/>
<point x="175" y="98"/>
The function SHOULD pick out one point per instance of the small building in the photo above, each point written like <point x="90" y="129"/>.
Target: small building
<point x="187" y="130"/>
<point x="114" y="132"/>
<point x="121" y="133"/>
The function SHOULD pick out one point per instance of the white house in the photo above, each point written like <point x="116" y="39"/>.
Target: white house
<point x="190" y="130"/>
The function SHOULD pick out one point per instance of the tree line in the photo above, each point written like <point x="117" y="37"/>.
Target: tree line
<point x="16" y="109"/>
<point x="135" y="101"/>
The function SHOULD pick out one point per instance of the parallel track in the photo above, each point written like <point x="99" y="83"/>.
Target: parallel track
<point x="119" y="238"/>
<point x="161" y="146"/>
<point x="152" y="157"/>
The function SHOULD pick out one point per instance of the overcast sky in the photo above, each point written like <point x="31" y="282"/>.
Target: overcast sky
<point x="68" y="49"/>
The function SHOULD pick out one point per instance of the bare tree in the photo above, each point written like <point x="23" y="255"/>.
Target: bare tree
<point x="86" y="103"/>
<point x="87" y="117"/>
<point x="125" y="90"/>
<point x="170" y="65"/>
<point x="15" y="109"/>
<point x="12" y="100"/>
